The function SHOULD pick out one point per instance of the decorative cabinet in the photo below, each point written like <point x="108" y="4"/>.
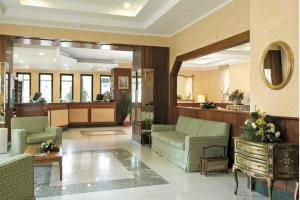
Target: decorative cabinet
<point x="268" y="161"/>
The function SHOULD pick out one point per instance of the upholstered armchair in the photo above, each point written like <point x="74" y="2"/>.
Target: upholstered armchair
<point x="16" y="178"/>
<point x="32" y="130"/>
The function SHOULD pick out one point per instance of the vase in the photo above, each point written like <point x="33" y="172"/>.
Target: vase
<point x="237" y="102"/>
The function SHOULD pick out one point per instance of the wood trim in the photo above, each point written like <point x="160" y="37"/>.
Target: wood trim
<point x="91" y="75"/>
<point x="100" y="81"/>
<point x="230" y="42"/>
<point x="51" y="74"/>
<point x="72" y="75"/>
<point x="27" y="73"/>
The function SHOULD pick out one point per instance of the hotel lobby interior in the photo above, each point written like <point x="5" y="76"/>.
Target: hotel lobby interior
<point x="148" y="99"/>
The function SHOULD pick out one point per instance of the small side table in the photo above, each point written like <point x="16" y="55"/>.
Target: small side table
<point x="215" y="164"/>
<point x="146" y="135"/>
<point x="3" y="140"/>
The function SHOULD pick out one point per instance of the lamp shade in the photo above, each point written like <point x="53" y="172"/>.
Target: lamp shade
<point x="201" y="98"/>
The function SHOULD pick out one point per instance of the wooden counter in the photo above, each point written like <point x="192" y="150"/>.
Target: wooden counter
<point x="72" y="114"/>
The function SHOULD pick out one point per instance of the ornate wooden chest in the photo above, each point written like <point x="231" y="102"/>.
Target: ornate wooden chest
<point x="269" y="161"/>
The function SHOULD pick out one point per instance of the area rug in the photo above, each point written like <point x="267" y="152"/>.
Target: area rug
<point x="103" y="132"/>
<point x="141" y="175"/>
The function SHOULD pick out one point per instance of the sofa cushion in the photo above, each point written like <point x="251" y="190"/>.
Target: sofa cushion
<point x="213" y="128"/>
<point x="30" y="124"/>
<point x="172" y="138"/>
<point x="193" y="126"/>
<point x="34" y="138"/>
<point x="181" y="123"/>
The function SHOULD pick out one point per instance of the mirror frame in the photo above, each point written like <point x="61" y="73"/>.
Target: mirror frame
<point x="290" y="69"/>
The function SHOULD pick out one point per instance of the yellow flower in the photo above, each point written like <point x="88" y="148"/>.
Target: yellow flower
<point x="260" y="122"/>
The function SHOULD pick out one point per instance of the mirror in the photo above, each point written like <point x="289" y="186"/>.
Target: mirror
<point x="277" y="65"/>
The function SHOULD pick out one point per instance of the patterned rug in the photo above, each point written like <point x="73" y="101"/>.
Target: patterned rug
<point x="141" y="175"/>
<point x="104" y="132"/>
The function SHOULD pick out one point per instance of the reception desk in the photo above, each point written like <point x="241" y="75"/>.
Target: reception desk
<point x="72" y="114"/>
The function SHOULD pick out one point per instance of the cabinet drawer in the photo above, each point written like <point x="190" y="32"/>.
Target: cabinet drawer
<point x="251" y="164"/>
<point x="251" y="149"/>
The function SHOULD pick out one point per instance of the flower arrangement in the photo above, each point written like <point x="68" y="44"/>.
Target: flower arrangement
<point x="208" y="105"/>
<point x="236" y="96"/>
<point x="107" y="96"/>
<point x="260" y="127"/>
<point x="48" y="147"/>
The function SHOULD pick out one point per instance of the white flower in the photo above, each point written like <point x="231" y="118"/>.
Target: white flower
<point x="253" y="125"/>
<point x="246" y="122"/>
<point x="271" y="125"/>
<point x="277" y="134"/>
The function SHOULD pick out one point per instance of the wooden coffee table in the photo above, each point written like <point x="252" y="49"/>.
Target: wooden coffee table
<point x="40" y="158"/>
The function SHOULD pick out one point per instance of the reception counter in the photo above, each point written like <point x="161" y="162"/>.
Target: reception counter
<point x="72" y="114"/>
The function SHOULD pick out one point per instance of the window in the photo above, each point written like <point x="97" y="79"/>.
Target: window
<point x="104" y="83"/>
<point x="26" y="83"/>
<point x="66" y="87"/>
<point x="86" y="90"/>
<point x="46" y="86"/>
<point x="185" y="87"/>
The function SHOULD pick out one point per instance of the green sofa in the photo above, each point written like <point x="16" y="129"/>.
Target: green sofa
<point x="16" y="178"/>
<point x="182" y="144"/>
<point x="32" y="130"/>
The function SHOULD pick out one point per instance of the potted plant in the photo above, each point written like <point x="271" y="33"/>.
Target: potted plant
<point x="236" y="97"/>
<point x="260" y="127"/>
<point x="107" y="96"/>
<point x="125" y="108"/>
<point x="208" y="105"/>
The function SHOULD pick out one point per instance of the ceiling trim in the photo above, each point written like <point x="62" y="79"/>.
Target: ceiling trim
<point x="14" y="21"/>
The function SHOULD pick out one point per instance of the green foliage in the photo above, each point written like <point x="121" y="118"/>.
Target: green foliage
<point x="236" y="95"/>
<point x="84" y="95"/>
<point x="208" y="105"/>
<point x="125" y="106"/>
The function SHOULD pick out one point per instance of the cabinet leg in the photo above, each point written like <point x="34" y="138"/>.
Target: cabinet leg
<point x="270" y="187"/>
<point x="236" y="181"/>
<point x="296" y="190"/>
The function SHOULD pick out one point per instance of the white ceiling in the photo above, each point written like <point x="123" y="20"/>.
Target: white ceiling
<point x="235" y="55"/>
<point x="69" y="59"/>
<point x="148" y="17"/>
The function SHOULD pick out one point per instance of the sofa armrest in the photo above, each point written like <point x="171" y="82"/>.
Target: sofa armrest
<point x="57" y="131"/>
<point x="162" y="127"/>
<point x="18" y="141"/>
<point x="17" y="178"/>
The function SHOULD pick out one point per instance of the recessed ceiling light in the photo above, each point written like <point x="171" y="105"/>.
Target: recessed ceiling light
<point x="26" y="66"/>
<point x="16" y="55"/>
<point x="67" y="68"/>
<point x="91" y="66"/>
<point x="41" y="53"/>
<point x="54" y="60"/>
<point x="126" y="5"/>
<point x="21" y="61"/>
<point x="65" y="65"/>
<point x="105" y="47"/>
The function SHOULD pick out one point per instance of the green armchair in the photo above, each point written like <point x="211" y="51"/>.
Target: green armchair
<point x="32" y="130"/>
<point x="17" y="180"/>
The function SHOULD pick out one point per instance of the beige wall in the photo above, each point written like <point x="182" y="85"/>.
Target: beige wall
<point x="56" y="83"/>
<point x="207" y="82"/>
<point x="232" y="19"/>
<point x="273" y="20"/>
<point x="239" y="77"/>
<point x="81" y="35"/>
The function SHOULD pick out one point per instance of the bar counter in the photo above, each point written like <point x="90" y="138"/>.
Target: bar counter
<point x="72" y="114"/>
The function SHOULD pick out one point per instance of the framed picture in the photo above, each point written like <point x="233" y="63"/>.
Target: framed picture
<point x="123" y="82"/>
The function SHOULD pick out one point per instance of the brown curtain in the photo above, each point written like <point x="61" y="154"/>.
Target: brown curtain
<point x="273" y="62"/>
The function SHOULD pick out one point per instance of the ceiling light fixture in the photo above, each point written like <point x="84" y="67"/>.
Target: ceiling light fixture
<point x="16" y="55"/>
<point x="21" y="61"/>
<point x="67" y="68"/>
<point x="126" y="5"/>
<point x="54" y="60"/>
<point x="65" y="65"/>
<point x="26" y="66"/>
<point x="41" y="53"/>
<point x="91" y="66"/>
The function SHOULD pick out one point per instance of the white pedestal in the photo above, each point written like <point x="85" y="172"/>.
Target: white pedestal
<point x="3" y="140"/>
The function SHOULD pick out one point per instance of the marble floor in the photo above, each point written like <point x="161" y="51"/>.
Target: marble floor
<point x="113" y="167"/>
